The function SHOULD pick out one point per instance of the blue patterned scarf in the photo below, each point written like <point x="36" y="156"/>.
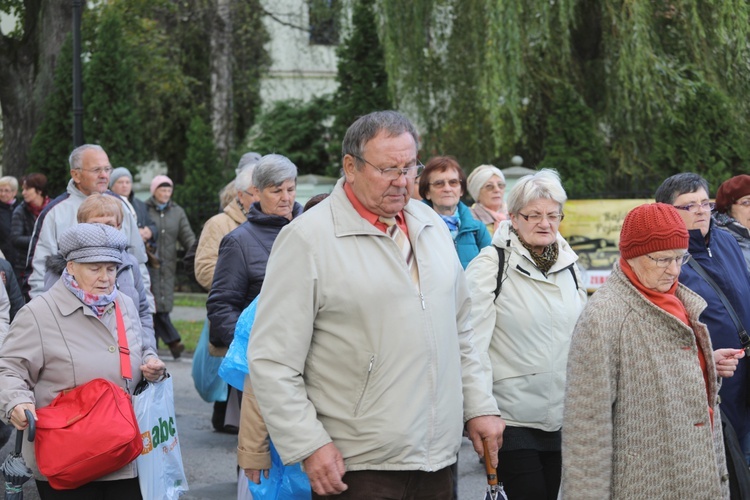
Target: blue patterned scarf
<point x="453" y="223"/>
<point x="97" y="303"/>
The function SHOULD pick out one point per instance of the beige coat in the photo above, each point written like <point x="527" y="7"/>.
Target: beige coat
<point x="213" y="231"/>
<point x="57" y="343"/>
<point x="636" y="421"/>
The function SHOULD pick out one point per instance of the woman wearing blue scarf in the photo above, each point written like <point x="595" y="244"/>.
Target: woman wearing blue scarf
<point x="441" y="186"/>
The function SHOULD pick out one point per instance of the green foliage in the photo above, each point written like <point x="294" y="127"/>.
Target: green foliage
<point x="702" y="138"/>
<point x="574" y="148"/>
<point x="362" y="79"/>
<point x="53" y="140"/>
<point x="297" y="130"/>
<point x="203" y="179"/>
<point x="110" y="119"/>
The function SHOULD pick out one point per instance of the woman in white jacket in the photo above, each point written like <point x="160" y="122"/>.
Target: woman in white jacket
<point x="523" y="317"/>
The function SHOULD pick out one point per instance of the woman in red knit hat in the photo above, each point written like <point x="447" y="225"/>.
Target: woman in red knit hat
<point x="733" y="211"/>
<point x="641" y="395"/>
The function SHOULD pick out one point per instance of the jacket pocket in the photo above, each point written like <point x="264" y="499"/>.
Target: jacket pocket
<point x="359" y="406"/>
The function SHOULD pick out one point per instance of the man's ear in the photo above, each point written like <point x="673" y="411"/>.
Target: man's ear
<point x="349" y="166"/>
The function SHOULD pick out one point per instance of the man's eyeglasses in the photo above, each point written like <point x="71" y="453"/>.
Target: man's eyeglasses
<point x="98" y="170"/>
<point x="696" y="207"/>
<point x="451" y="182"/>
<point x="393" y="173"/>
<point x="664" y="262"/>
<point x="535" y="218"/>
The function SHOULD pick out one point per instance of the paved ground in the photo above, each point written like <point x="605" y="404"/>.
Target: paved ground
<point x="210" y="457"/>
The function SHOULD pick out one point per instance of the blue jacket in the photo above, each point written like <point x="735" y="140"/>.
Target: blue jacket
<point x="472" y="235"/>
<point x="723" y="261"/>
<point x="240" y="270"/>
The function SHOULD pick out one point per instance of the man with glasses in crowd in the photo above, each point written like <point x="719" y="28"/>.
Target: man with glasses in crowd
<point x="361" y="354"/>
<point x="89" y="171"/>
<point x="720" y="257"/>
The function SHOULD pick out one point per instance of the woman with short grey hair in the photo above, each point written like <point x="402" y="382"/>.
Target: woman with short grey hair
<point x="243" y="253"/>
<point x="526" y="295"/>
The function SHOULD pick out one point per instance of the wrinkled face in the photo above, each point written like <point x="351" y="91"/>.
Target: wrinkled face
<point x="163" y="194"/>
<point x="445" y="191"/>
<point x="278" y="200"/>
<point x="378" y="194"/>
<point x="700" y="216"/>
<point x="93" y="176"/>
<point x="31" y="196"/>
<point x="538" y="234"/>
<point x="7" y="194"/>
<point x="654" y="277"/>
<point x="122" y="186"/>
<point x="740" y="211"/>
<point x="97" y="278"/>
<point x="492" y="192"/>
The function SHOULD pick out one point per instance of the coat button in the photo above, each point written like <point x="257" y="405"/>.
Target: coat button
<point x="111" y="348"/>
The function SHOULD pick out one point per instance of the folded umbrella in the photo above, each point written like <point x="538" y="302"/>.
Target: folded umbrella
<point x="495" y="489"/>
<point x="14" y="467"/>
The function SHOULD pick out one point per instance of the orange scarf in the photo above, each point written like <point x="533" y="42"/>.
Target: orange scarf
<point x="669" y="302"/>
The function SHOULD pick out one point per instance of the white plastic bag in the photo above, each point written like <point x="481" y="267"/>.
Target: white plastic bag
<point x="160" y="471"/>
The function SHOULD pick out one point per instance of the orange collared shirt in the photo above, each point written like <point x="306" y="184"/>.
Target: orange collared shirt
<point x="370" y="217"/>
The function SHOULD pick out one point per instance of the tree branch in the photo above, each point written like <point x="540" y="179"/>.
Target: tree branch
<point x="276" y="18"/>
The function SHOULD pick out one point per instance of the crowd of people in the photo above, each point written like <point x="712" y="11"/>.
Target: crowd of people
<point x="393" y="318"/>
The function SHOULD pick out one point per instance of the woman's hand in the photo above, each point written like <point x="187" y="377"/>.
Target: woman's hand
<point x="154" y="369"/>
<point x="254" y="474"/>
<point x="727" y="360"/>
<point x="18" y="416"/>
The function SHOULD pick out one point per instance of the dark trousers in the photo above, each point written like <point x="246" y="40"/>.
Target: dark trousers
<point x="530" y="474"/>
<point x="164" y="329"/>
<point x="396" y="485"/>
<point x="122" y="489"/>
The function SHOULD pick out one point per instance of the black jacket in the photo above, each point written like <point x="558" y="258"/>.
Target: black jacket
<point x="240" y="270"/>
<point x="143" y="218"/>
<point x="12" y="287"/>
<point x="6" y="245"/>
<point x="22" y="227"/>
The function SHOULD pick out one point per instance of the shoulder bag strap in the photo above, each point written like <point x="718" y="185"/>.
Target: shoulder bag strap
<point x="741" y="332"/>
<point x="122" y="342"/>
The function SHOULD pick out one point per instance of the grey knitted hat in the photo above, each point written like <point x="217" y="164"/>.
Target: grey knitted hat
<point x="117" y="173"/>
<point x="92" y="243"/>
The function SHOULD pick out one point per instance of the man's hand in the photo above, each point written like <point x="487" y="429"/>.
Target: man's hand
<point x="254" y="474"/>
<point x="325" y="469"/>
<point x="487" y="428"/>
<point x="726" y="361"/>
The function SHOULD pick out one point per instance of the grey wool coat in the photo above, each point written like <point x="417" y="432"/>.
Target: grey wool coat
<point x="636" y="421"/>
<point x="172" y="226"/>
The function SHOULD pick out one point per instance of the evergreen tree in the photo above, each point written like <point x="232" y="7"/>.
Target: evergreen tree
<point x="110" y="118"/>
<point x="198" y="195"/>
<point x="53" y="140"/>
<point x="363" y="81"/>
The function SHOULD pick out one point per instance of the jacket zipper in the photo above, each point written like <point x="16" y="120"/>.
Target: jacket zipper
<point x="364" y="389"/>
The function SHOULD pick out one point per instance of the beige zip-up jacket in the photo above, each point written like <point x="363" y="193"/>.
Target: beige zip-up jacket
<point x="344" y="348"/>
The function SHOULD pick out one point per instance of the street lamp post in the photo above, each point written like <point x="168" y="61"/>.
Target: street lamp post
<point x="77" y="76"/>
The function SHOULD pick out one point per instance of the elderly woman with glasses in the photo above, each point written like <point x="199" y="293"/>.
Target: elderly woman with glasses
<point x="732" y="212"/>
<point x="487" y="187"/>
<point x="526" y="295"/>
<point x="717" y="267"/>
<point x="641" y="407"/>
<point x="441" y="186"/>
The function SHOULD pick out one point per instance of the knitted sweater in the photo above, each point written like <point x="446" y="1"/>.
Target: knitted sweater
<point x="636" y="421"/>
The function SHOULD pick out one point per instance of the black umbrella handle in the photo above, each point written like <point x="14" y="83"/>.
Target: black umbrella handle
<point x="32" y="425"/>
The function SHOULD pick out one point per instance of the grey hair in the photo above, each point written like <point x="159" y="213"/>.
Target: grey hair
<point x="273" y="170"/>
<point x="679" y="184"/>
<point x="366" y="127"/>
<point x="247" y="160"/>
<point x="10" y="181"/>
<point x="76" y="157"/>
<point x="543" y="184"/>
<point x="244" y="179"/>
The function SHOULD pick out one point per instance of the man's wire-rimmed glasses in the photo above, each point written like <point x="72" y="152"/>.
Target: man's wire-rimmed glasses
<point x="393" y="173"/>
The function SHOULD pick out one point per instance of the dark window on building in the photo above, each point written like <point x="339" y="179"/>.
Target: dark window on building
<point x="324" y="21"/>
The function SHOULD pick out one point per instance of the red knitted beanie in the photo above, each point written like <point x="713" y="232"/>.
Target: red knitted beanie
<point x="731" y="191"/>
<point x="652" y="227"/>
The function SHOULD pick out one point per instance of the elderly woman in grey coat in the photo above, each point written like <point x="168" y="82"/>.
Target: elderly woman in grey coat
<point x="172" y="226"/>
<point x="641" y="415"/>
<point x="65" y="337"/>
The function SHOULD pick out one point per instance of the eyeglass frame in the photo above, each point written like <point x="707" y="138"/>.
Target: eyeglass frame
<point x="543" y="216"/>
<point x="491" y="187"/>
<point x="441" y="182"/>
<point x="97" y="170"/>
<point x="668" y="260"/>
<point x="385" y="172"/>
<point x="688" y="208"/>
